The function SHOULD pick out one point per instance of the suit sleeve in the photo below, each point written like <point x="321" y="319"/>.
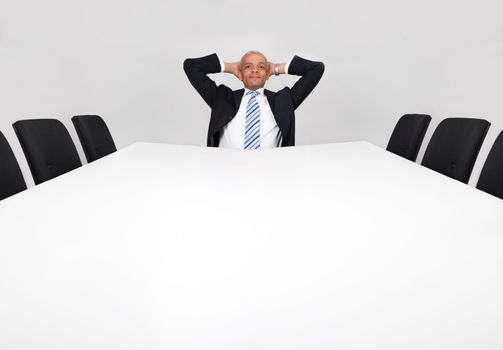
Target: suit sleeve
<point x="197" y="70"/>
<point x="310" y="72"/>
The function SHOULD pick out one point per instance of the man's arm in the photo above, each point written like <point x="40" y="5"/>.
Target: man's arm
<point x="197" y="70"/>
<point x="311" y="73"/>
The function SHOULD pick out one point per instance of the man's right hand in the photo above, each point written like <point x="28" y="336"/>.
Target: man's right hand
<point x="233" y="68"/>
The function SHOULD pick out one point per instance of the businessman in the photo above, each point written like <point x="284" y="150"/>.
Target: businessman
<point x="252" y="117"/>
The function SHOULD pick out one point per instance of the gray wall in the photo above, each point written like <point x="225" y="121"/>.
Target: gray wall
<point x="123" y="60"/>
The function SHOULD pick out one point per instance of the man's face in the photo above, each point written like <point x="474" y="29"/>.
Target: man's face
<point x="254" y="71"/>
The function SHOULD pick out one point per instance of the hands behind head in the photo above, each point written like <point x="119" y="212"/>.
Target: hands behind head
<point x="271" y="69"/>
<point x="234" y="68"/>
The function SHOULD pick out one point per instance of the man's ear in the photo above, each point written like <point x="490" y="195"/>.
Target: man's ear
<point x="240" y="76"/>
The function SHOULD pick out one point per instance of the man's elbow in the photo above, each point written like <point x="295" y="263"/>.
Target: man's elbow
<point x="319" y="68"/>
<point x="187" y="65"/>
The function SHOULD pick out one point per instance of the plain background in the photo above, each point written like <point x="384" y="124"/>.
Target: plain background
<point x="123" y="60"/>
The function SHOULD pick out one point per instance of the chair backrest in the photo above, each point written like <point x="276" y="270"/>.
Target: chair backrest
<point x="454" y="147"/>
<point x="11" y="178"/>
<point x="408" y="135"/>
<point x="48" y="148"/>
<point x="94" y="136"/>
<point x="491" y="177"/>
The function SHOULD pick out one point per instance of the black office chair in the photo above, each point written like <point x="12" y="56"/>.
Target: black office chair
<point x="94" y="136"/>
<point x="48" y="148"/>
<point x="454" y="147"/>
<point x="491" y="177"/>
<point x="408" y="135"/>
<point x="11" y="178"/>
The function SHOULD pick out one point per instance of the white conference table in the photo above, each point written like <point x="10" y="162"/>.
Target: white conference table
<point x="337" y="246"/>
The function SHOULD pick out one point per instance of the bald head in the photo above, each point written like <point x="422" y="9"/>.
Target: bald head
<point x="252" y="52"/>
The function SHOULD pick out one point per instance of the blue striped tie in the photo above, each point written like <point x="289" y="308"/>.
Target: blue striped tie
<point x="252" y="124"/>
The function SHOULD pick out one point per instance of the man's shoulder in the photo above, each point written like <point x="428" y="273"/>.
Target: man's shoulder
<point x="225" y="95"/>
<point x="227" y="91"/>
<point x="275" y="94"/>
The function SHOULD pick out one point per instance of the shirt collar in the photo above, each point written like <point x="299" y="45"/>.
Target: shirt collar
<point x="260" y="91"/>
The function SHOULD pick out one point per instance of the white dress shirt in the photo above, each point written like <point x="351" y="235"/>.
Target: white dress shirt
<point x="233" y="135"/>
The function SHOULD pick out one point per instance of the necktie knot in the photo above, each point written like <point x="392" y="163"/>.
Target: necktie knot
<point x="252" y="93"/>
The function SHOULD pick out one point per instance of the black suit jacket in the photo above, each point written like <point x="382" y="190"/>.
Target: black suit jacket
<point x="224" y="102"/>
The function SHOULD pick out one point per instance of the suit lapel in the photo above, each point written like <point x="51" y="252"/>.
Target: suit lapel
<point x="238" y="96"/>
<point x="228" y="110"/>
<point x="270" y="98"/>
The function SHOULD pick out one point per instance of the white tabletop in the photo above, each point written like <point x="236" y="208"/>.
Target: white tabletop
<point x="341" y="246"/>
